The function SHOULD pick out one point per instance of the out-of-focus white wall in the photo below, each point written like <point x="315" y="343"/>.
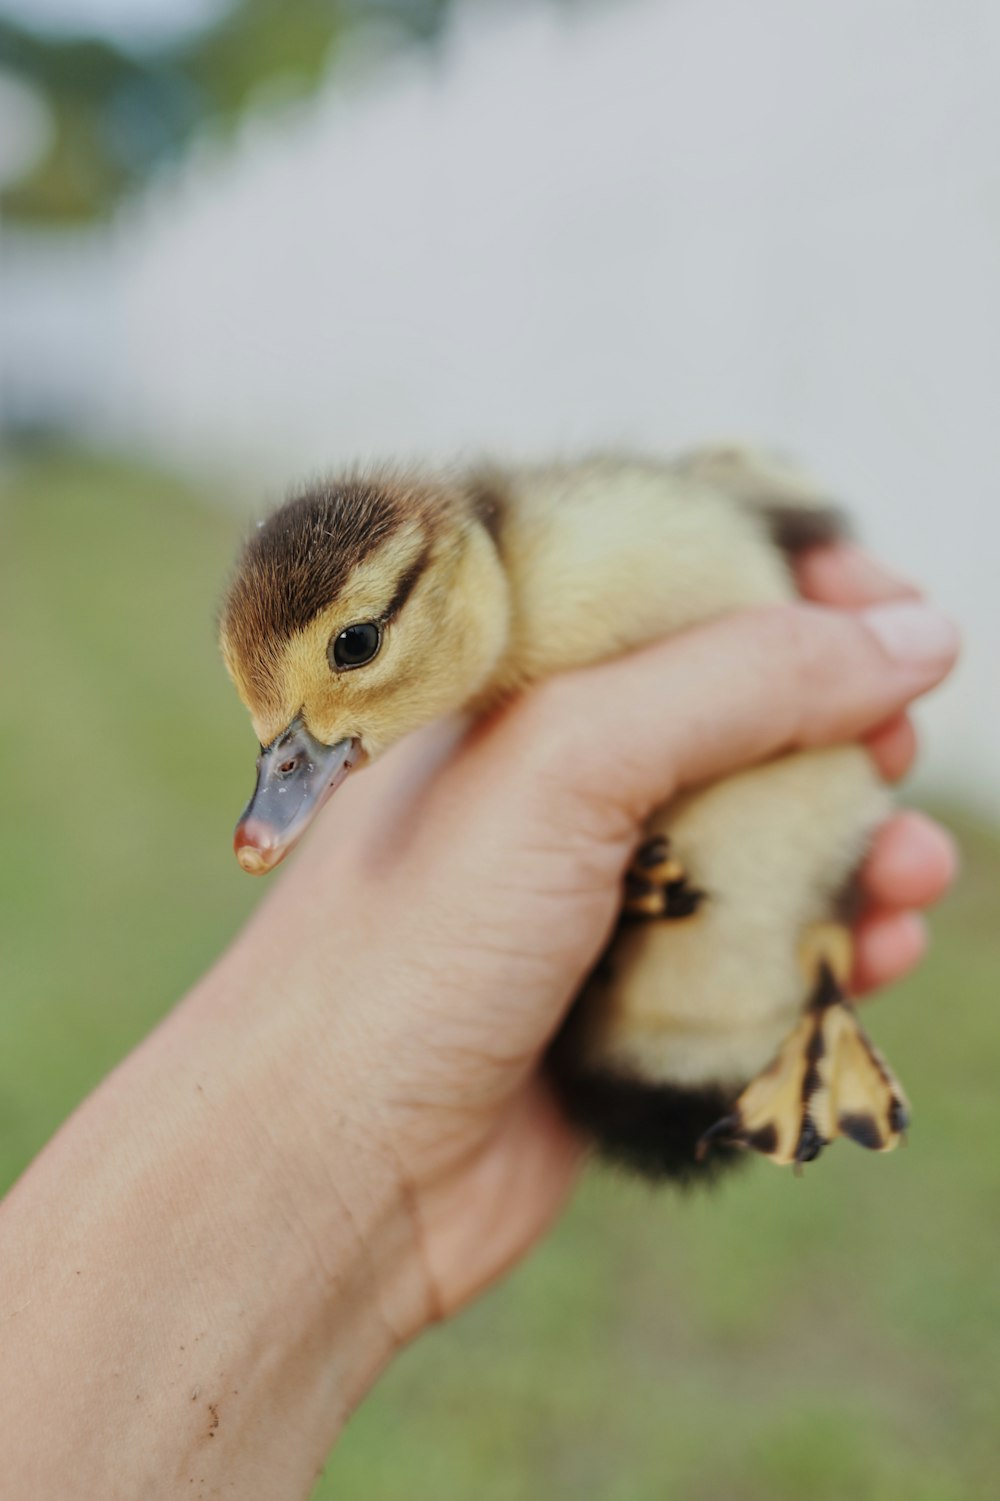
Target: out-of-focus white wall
<point x="646" y="224"/>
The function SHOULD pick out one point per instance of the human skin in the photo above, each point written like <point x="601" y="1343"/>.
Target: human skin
<point x="342" y="1134"/>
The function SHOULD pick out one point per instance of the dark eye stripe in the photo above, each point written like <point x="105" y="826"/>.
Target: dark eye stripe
<point x="406" y="584"/>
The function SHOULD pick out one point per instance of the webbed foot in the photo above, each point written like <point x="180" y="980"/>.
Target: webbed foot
<point x="828" y="1080"/>
<point x="657" y="885"/>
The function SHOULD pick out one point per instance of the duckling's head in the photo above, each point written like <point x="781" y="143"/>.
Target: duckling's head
<point x="360" y="610"/>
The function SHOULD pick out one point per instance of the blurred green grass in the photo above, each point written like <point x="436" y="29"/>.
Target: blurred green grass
<point x="829" y="1337"/>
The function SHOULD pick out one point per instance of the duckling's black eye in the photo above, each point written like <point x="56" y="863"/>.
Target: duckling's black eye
<point x="354" y="646"/>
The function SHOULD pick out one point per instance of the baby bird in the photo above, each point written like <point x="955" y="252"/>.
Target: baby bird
<point x="717" y="1020"/>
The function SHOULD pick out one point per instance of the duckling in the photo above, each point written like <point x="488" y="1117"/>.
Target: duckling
<point x="717" y="1022"/>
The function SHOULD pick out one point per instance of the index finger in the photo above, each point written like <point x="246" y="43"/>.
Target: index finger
<point x="845" y="575"/>
<point x="731" y="693"/>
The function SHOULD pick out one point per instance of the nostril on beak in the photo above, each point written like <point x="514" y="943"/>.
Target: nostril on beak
<point x="288" y="794"/>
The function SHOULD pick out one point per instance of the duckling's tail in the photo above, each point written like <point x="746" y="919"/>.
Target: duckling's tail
<point x="796" y="513"/>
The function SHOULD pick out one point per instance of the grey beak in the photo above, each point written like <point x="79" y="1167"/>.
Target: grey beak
<point x="295" y="776"/>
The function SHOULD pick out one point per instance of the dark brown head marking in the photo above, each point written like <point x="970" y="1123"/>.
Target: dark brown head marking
<point x="295" y="564"/>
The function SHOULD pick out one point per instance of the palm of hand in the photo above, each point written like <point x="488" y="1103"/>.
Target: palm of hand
<point x="478" y="874"/>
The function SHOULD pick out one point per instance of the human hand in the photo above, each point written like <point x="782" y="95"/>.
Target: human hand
<point x="913" y="860"/>
<point x="344" y="1131"/>
<point x="430" y="937"/>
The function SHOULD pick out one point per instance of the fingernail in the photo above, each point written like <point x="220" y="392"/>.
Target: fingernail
<point x="913" y="633"/>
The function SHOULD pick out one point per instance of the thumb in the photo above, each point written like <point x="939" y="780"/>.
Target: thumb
<point x="629" y="734"/>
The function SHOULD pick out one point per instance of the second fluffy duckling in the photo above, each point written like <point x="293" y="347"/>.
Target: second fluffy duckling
<point x="717" y="1020"/>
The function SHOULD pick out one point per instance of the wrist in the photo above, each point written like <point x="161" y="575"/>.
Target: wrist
<point x="321" y="1157"/>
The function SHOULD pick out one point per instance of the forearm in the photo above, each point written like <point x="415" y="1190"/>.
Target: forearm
<point x="203" y="1272"/>
<point x="344" y="1130"/>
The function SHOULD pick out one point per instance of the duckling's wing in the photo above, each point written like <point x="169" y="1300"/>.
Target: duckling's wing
<point x="796" y="512"/>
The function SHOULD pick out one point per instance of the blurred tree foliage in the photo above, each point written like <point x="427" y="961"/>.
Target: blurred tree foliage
<point x="118" y="113"/>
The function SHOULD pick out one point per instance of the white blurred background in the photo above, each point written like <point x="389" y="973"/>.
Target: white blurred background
<point x="644" y="224"/>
